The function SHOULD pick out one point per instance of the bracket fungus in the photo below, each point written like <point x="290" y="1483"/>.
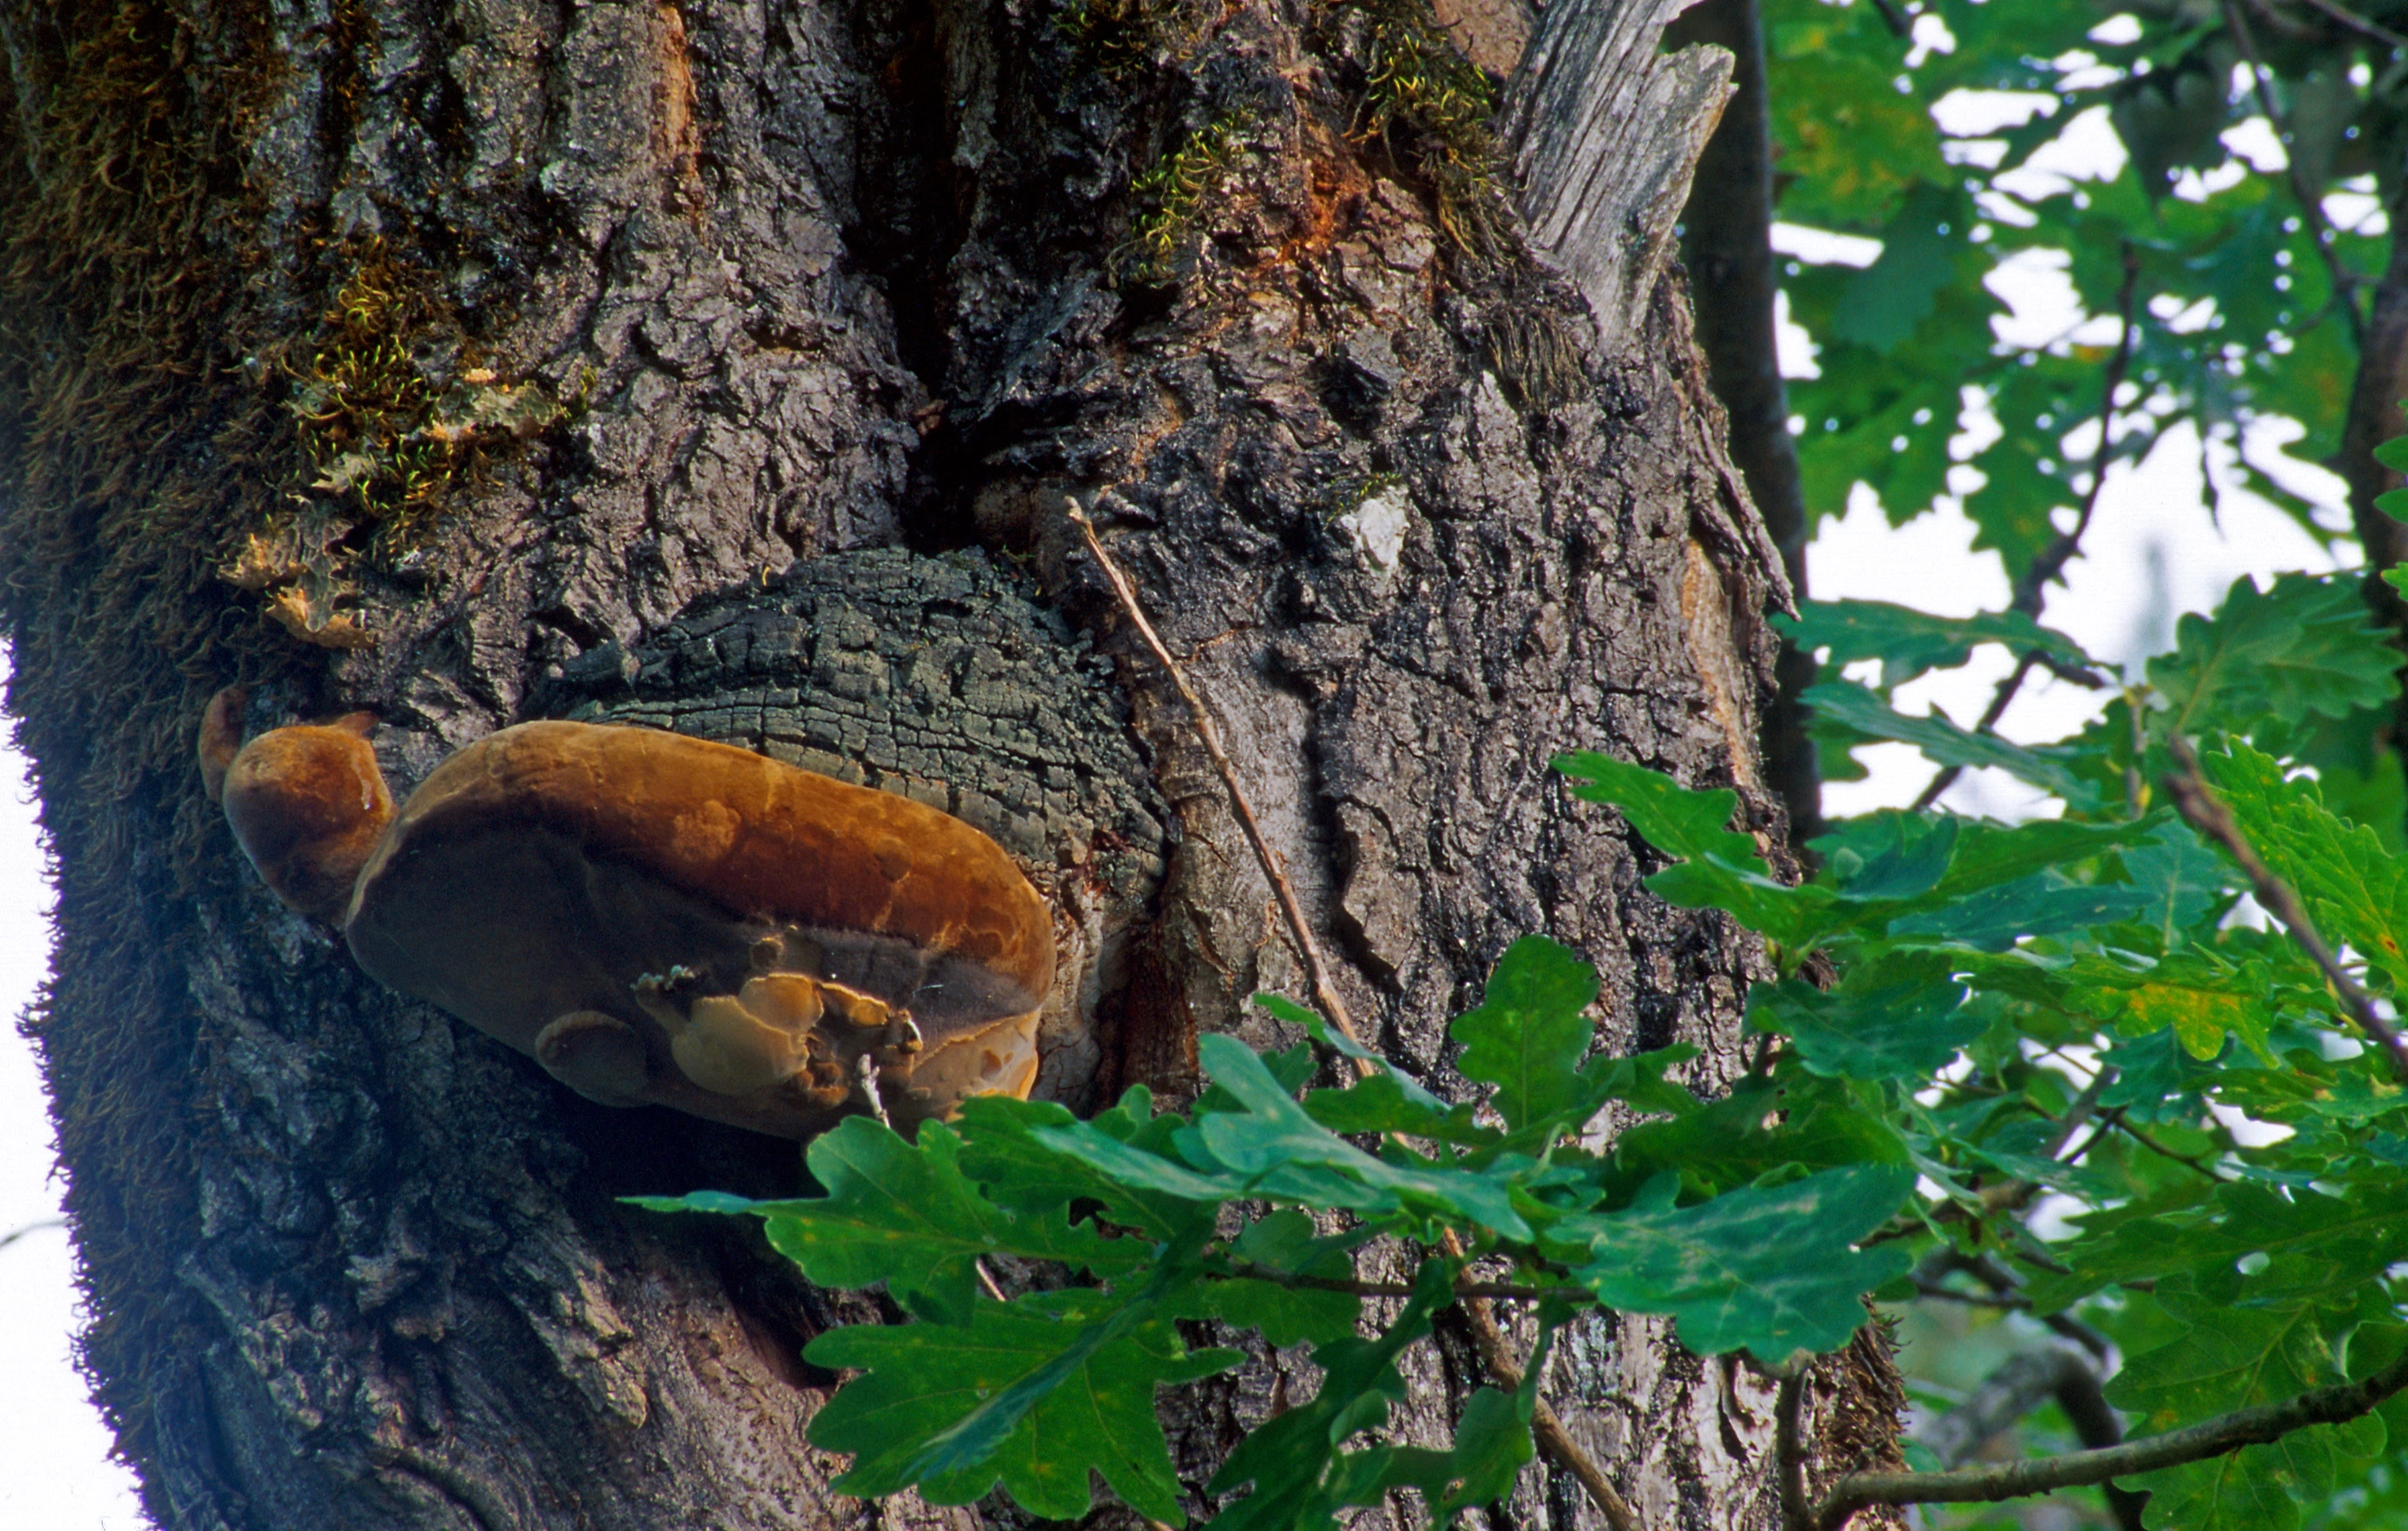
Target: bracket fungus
<point x="658" y="918"/>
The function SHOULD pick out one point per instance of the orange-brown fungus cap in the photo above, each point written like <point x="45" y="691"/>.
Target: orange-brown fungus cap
<point x="309" y="806"/>
<point x="759" y="839"/>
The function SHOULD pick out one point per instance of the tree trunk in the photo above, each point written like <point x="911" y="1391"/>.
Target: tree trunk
<point x="732" y="368"/>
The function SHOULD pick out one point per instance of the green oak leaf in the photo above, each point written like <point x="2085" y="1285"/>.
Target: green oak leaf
<point x="1719" y="867"/>
<point x="1908" y="642"/>
<point x="1886" y="301"/>
<point x="2046" y="903"/>
<point x="906" y="1215"/>
<point x="2048" y="767"/>
<point x="1889" y="854"/>
<point x="2203" y="1004"/>
<point x="2235" y="1356"/>
<point x="2306" y="645"/>
<point x="1760" y="1127"/>
<point x="1768" y="1270"/>
<point x="1274" y="1148"/>
<point x="1879" y="1023"/>
<point x="2355" y="890"/>
<point x="1386" y="1100"/>
<point x="1291" y="1459"/>
<point x="1391" y="1102"/>
<point x="1676" y="820"/>
<point x="1015" y="1170"/>
<point x="2185" y="879"/>
<point x="1530" y="1031"/>
<point x="2228" y="1355"/>
<point x="1492" y="1445"/>
<point x="1031" y="1395"/>
<point x="2352" y="1236"/>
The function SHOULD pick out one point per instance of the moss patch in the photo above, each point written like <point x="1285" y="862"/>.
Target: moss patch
<point x="1430" y="107"/>
<point x="391" y="417"/>
<point x="1174" y="190"/>
<point x="129" y="440"/>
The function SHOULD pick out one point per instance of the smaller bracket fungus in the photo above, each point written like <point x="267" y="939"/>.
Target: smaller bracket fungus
<point x="307" y="803"/>
<point x="665" y="919"/>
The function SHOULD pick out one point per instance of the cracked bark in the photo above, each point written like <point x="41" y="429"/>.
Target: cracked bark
<point x="832" y="285"/>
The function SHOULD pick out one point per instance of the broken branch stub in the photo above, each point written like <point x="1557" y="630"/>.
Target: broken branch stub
<point x="664" y="920"/>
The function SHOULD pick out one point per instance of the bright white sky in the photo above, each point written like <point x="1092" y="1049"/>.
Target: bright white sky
<point x="54" y="1466"/>
<point x="2152" y="553"/>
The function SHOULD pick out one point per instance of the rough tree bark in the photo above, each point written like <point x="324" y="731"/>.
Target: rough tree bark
<point x="730" y="366"/>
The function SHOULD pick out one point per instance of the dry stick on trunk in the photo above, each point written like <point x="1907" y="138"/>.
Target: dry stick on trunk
<point x="2031" y="591"/>
<point x="2207" y="813"/>
<point x="1552" y="1436"/>
<point x="2334" y="1405"/>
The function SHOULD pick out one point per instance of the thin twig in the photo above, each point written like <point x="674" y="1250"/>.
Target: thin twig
<point x="2122" y="1124"/>
<point x="1549" y="1431"/>
<point x="2031" y="592"/>
<point x="2332" y="1405"/>
<point x="2198" y="803"/>
<point x="15" y="1234"/>
<point x="2005" y="1292"/>
<point x="1788" y="1450"/>
<point x="1316" y="971"/>
<point x="2354" y="22"/>
<point x="2320" y="234"/>
<point x="2012" y="1302"/>
<point x="986" y="1280"/>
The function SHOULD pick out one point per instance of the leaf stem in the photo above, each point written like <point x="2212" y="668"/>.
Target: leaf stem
<point x="2332" y="1405"/>
<point x="2122" y="1124"/>
<point x="2348" y="19"/>
<point x="2005" y="1285"/>
<point x="2198" y="803"/>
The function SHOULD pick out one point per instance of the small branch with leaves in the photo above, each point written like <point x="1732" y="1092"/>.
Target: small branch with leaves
<point x="2031" y="591"/>
<point x="2198" y="803"/>
<point x="2226" y="1432"/>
